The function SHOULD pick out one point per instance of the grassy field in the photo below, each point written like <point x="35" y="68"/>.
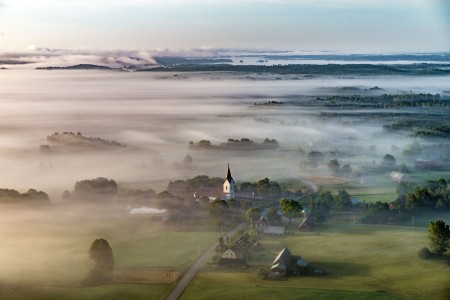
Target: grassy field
<point x="361" y="262"/>
<point x="106" y="292"/>
<point x="49" y="259"/>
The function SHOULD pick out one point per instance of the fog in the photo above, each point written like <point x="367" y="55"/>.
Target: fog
<point x="158" y="114"/>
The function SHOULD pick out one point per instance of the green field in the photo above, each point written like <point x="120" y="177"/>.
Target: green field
<point x="49" y="259"/>
<point x="105" y="292"/>
<point x="362" y="262"/>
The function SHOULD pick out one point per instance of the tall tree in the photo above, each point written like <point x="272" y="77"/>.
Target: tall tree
<point x="343" y="200"/>
<point x="334" y="166"/>
<point x="272" y="215"/>
<point x="252" y="214"/>
<point x="102" y="255"/>
<point x="439" y="236"/>
<point x="291" y="209"/>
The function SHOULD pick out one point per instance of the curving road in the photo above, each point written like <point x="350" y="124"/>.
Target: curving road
<point x="197" y="266"/>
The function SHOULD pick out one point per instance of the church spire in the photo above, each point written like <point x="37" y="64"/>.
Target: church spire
<point x="229" y="178"/>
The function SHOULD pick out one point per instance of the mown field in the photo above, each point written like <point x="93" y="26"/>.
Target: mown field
<point x="380" y="187"/>
<point x="45" y="256"/>
<point x="362" y="263"/>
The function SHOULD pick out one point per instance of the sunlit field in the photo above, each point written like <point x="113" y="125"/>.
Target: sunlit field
<point x="362" y="263"/>
<point x="44" y="255"/>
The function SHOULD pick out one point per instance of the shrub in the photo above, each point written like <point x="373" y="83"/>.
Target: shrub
<point x="424" y="253"/>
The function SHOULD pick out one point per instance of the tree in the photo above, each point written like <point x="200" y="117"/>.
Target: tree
<point x="334" y="166"/>
<point x="343" y="200"/>
<point x="102" y="255"/>
<point x="439" y="236"/>
<point x="98" y="188"/>
<point x="324" y="202"/>
<point x="389" y="161"/>
<point x="272" y="215"/>
<point x="291" y="208"/>
<point x="267" y="188"/>
<point x="247" y="187"/>
<point x="252" y="214"/>
<point x="442" y="183"/>
<point x="420" y="197"/>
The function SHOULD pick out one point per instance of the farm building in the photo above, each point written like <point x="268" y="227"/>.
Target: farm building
<point x="308" y="224"/>
<point x="283" y="256"/>
<point x="286" y="264"/>
<point x="278" y="269"/>
<point x="397" y="176"/>
<point x="232" y="257"/>
<point x="300" y="267"/>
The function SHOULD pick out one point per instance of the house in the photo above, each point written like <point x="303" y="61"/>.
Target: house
<point x="301" y="266"/>
<point x="286" y="264"/>
<point x="397" y="176"/>
<point x="232" y="257"/>
<point x="262" y="222"/>
<point x="230" y="254"/>
<point x="283" y="256"/>
<point x="308" y="224"/>
<point x="278" y="270"/>
<point x="279" y="265"/>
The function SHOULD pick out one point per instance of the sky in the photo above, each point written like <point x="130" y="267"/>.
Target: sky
<point x="357" y="26"/>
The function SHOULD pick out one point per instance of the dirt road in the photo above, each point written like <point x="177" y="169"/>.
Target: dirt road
<point x="198" y="265"/>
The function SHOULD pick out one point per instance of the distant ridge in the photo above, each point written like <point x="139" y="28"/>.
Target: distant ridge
<point x="313" y="69"/>
<point x="77" y="67"/>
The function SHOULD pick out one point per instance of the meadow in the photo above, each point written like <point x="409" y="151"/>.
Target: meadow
<point x="149" y="256"/>
<point x="362" y="263"/>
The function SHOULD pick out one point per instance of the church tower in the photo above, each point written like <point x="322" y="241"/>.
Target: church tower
<point x="228" y="186"/>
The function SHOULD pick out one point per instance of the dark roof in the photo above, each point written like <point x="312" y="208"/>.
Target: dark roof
<point x="283" y="256"/>
<point x="209" y="192"/>
<point x="309" y="222"/>
<point x="229" y="178"/>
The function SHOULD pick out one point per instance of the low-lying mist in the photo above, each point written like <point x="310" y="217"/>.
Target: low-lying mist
<point x="157" y="115"/>
<point x="136" y="128"/>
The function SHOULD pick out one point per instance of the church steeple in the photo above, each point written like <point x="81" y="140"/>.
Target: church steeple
<point x="228" y="186"/>
<point x="229" y="177"/>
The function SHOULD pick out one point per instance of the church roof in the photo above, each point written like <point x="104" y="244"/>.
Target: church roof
<point x="212" y="192"/>
<point x="229" y="178"/>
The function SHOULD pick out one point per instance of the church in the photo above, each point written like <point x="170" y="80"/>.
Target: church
<point x="229" y="187"/>
<point x="226" y="192"/>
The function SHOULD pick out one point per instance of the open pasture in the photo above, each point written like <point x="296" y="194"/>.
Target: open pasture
<point x="361" y="261"/>
<point x="149" y="257"/>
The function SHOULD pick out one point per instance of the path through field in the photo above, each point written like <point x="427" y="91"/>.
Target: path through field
<point x="198" y="265"/>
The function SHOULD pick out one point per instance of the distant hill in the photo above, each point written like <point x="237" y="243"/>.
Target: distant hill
<point x="71" y="142"/>
<point x="231" y="144"/>
<point x="77" y="67"/>
<point x="314" y="70"/>
<point x="174" y="60"/>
